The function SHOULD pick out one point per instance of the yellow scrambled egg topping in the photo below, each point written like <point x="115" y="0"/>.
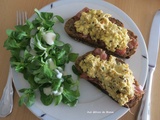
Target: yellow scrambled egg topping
<point x="116" y="77"/>
<point x="97" y="24"/>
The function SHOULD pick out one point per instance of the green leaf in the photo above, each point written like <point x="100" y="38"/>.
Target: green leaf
<point x="57" y="36"/>
<point x="73" y="56"/>
<point x="9" y="32"/>
<point x="23" y="90"/>
<point x="60" y="54"/>
<point x="59" y="18"/>
<point x="11" y="44"/>
<point x="67" y="102"/>
<point x="56" y="83"/>
<point x="67" y="48"/>
<point x="21" y="35"/>
<point x="46" y="99"/>
<point x="38" y="43"/>
<point x="75" y="71"/>
<point x="18" y="66"/>
<point x="46" y="15"/>
<point x="58" y="43"/>
<point x="71" y="95"/>
<point x="30" y="79"/>
<point x="40" y="80"/>
<point x="34" y="68"/>
<point x="71" y="90"/>
<point x="30" y="25"/>
<point x="58" y="99"/>
<point x="27" y="98"/>
<point x="38" y="13"/>
<point x="47" y="71"/>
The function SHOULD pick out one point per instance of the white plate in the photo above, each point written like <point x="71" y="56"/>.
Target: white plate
<point x="93" y="104"/>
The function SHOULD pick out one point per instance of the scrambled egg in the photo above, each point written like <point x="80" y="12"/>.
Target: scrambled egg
<point x="97" y="24"/>
<point x="116" y="77"/>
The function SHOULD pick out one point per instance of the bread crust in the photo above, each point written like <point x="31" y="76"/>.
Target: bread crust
<point x="137" y="95"/>
<point x="86" y="39"/>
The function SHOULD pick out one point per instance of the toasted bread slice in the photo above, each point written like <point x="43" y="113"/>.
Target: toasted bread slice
<point x="86" y="39"/>
<point x="111" y="75"/>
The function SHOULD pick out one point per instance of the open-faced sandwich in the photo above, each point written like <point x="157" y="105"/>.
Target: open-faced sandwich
<point x="98" y="29"/>
<point x="111" y="75"/>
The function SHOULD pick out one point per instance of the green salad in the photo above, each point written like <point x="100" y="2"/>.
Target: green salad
<point x="38" y="53"/>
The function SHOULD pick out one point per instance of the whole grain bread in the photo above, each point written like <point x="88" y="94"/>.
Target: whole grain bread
<point x="71" y="31"/>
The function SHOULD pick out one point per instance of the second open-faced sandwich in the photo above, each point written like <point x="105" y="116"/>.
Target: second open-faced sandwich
<point x="110" y="74"/>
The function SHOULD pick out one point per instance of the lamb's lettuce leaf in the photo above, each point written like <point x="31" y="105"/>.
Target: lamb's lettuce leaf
<point x="41" y="64"/>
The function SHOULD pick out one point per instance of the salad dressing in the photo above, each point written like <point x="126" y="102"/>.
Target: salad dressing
<point x="59" y="74"/>
<point x="47" y="90"/>
<point x="49" y="37"/>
